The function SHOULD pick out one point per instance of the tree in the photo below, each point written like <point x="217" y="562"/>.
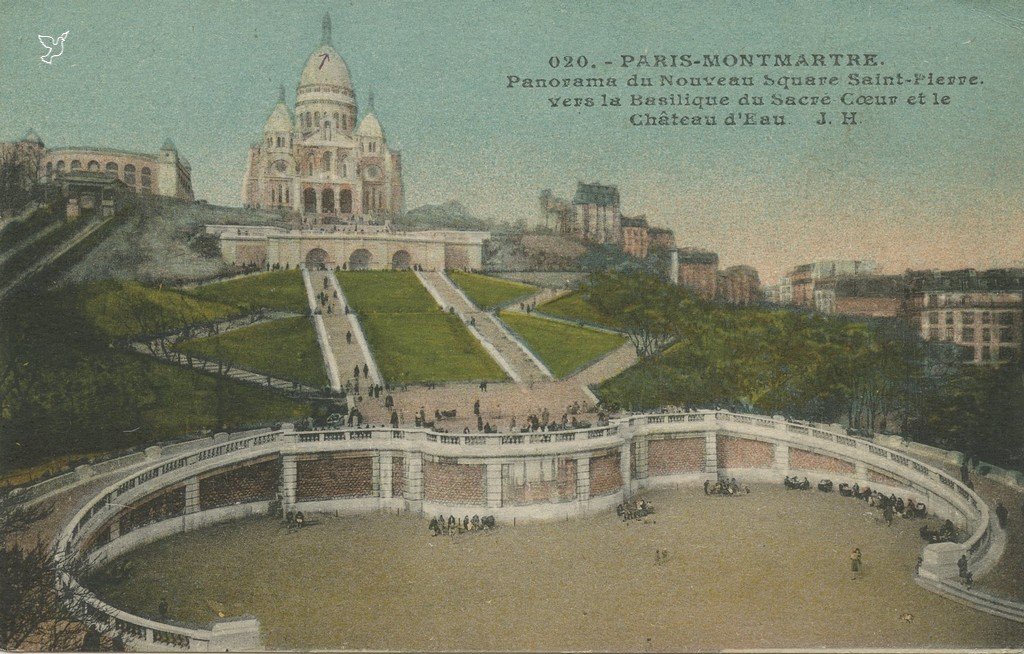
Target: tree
<point x="647" y="309"/>
<point x="36" y="612"/>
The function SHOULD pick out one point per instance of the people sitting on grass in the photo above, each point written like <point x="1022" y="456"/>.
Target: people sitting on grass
<point x="450" y="526"/>
<point x="796" y="484"/>
<point x="825" y="485"/>
<point x="634" y="509"/>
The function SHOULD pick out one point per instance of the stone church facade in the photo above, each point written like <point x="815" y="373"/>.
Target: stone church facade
<point x="317" y="158"/>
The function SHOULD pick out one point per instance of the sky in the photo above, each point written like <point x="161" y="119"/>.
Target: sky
<point x="916" y="189"/>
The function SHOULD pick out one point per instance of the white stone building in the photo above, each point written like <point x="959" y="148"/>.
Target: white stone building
<point x="315" y="159"/>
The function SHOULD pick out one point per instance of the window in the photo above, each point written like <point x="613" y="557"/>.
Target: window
<point x="129" y="175"/>
<point x="60" y="166"/>
<point x="112" y="170"/>
<point x="49" y="168"/>
<point x="93" y="167"/>
<point x="986" y="353"/>
<point x="76" y="166"/>
<point x="967" y="317"/>
<point x="344" y="170"/>
<point x="1006" y="353"/>
<point x="327" y="162"/>
<point x="967" y="334"/>
<point x="949" y="333"/>
<point x="933" y="318"/>
<point x="337" y="120"/>
<point x="986" y="317"/>
<point x="316" y="118"/>
<point x="986" y="334"/>
<point x="280" y="141"/>
<point x="933" y="334"/>
<point x="1005" y="318"/>
<point x="1006" y="334"/>
<point x="949" y="317"/>
<point x="146" y="180"/>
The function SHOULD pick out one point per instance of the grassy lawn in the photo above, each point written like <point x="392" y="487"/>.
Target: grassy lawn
<point x="427" y="347"/>
<point x="279" y="290"/>
<point x="563" y="348"/>
<point x="284" y="348"/>
<point x="490" y="292"/>
<point x="575" y="307"/>
<point x="125" y="309"/>
<point x="384" y="291"/>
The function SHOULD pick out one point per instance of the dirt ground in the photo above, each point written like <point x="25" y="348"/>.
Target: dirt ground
<point x="767" y="570"/>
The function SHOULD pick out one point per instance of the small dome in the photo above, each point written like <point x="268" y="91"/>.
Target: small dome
<point x="280" y="119"/>
<point x="332" y="70"/>
<point x="370" y="127"/>
<point x="32" y="137"/>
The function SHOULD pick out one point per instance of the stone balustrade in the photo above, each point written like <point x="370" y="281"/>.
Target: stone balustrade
<point x="533" y="475"/>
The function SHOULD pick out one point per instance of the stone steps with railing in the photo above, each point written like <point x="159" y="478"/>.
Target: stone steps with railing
<point x="519" y="362"/>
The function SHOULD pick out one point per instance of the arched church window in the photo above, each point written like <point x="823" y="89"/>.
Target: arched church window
<point x="94" y="167"/>
<point x="344" y="170"/>
<point x="327" y="129"/>
<point x="76" y="165"/>
<point x="111" y="170"/>
<point x="337" y="120"/>
<point x="60" y="166"/>
<point x="316" y="118"/>
<point x="327" y="162"/>
<point x="129" y="174"/>
<point x="147" y="181"/>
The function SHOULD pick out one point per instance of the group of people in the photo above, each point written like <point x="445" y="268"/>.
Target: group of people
<point x="451" y="525"/>
<point x="637" y="509"/>
<point x="946" y="533"/>
<point x="890" y="505"/>
<point x="725" y="487"/>
<point x="796" y="484"/>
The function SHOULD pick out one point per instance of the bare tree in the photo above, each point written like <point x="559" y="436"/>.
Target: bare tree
<point x="37" y="610"/>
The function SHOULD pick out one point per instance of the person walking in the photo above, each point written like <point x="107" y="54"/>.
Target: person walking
<point x="355" y="371"/>
<point x="1001" y="514"/>
<point x="855" y="562"/>
<point x="887" y="513"/>
<point x="706" y="484"/>
<point x="348" y="337"/>
<point x="366" y="371"/>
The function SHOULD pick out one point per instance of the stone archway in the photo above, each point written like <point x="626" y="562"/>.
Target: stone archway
<point x="401" y="260"/>
<point x="327" y="200"/>
<point x="361" y="259"/>
<point x="345" y="201"/>
<point x="309" y="200"/>
<point x="317" y="258"/>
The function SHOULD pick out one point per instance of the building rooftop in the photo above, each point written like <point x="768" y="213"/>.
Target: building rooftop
<point x="697" y="255"/>
<point x="602" y="196"/>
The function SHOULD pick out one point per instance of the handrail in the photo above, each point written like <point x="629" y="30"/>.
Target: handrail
<point x="624" y="429"/>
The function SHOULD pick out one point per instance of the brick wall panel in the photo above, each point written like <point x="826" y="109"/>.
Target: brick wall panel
<point x="605" y="474"/>
<point x="675" y="456"/>
<point x="168" y="503"/>
<point x="744" y="453"/>
<point x="252" y="482"/>
<point x="333" y="476"/>
<point x="560" y="489"/>
<point x="397" y="476"/>
<point x="453" y="483"/>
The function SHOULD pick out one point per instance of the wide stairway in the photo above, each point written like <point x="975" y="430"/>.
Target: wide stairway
<point x="519" y="364"/>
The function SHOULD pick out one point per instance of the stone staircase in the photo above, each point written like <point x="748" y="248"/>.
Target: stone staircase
<point x="520" y="364"/>
<point x="347" y="355"/>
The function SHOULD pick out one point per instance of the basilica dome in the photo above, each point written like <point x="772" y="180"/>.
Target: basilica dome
<point x="332" y="71"/>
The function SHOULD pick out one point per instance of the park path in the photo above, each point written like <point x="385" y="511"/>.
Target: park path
<point x="520" y="364"/>
<point x="345" y="344"/>
<point x="233" y="371"/>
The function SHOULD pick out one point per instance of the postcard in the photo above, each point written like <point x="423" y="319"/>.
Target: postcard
<point x="521" y="326"/>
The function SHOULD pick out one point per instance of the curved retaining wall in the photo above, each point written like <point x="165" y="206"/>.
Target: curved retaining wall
<point x="540" y="475"/>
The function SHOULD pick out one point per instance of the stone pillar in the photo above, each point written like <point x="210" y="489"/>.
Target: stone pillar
<point x="493" y="484"/>
<point x="192" y="495"/>
<point x="384" y="475"/>
<point x="640" y="465"/>
<point x="781" y="463"/>
<point x="583" y="477"/>
<point x="861" y="472"/>
<point x="414" y="479"/>
<point x="625" y="456"/>
<point x="375" y="476"/>
<point x="711" y="454"/>
<point x="289" y="477"/>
